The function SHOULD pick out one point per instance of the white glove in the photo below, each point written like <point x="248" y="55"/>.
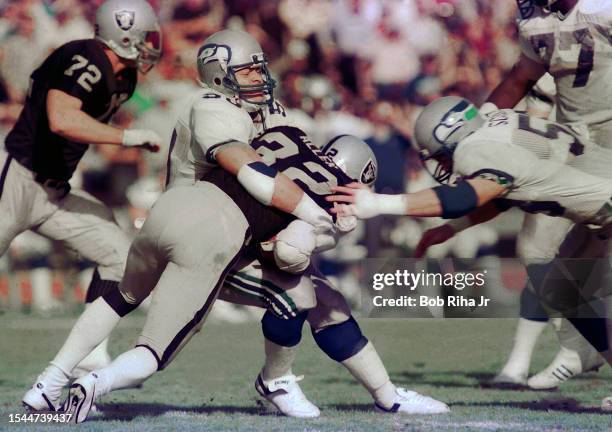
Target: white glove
<point x="145" y="138"/>
<point x="365" y="204"/>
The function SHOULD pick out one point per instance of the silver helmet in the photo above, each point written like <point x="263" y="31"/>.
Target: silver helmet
<point x="353" y="156"/>
<point x="439" y="128"/>
<point x="130" y="28"/>
<point x="228" y="51"/>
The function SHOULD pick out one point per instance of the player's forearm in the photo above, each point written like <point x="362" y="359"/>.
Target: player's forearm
<point x="267" y="185"/>
<point x="78" y="126"/>
<point x="68" y="120"/>
<point x="517" y="84"/>
<point x="480" y="215"/>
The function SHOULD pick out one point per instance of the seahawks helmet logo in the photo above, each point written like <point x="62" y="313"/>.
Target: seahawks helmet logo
<point x="368" y="175"/>
<point x="213" y="52"/>
<point x="124" y="19"/>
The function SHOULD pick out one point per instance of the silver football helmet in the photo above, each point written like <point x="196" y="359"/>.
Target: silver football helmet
<point x="226" y="52"/>
<point x="130" y="28"/>
<point x="439" y="128"/>
<point x="353" y="156"/>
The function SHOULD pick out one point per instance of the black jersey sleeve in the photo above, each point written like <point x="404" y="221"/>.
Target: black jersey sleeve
<point x="78" y="69"/>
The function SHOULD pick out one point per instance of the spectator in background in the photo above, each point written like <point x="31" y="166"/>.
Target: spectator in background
<point x="21" y="51"/>
<point x="353" y="25"/>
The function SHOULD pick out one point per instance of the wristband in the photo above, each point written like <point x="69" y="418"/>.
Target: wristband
<point x="308" y="211"/>
<point x="392" y="204"/>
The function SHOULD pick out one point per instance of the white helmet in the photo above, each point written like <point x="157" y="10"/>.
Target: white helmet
<point x="130" y="28"/>
<point x="440" y="127"/>
<point x="353" y="156"/>
<point x="227" y="51"/>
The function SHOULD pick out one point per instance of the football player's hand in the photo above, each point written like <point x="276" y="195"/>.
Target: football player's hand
<point x="142" y="138"/>
<point x="433" y="237"/>
<point x="356" y="200"/>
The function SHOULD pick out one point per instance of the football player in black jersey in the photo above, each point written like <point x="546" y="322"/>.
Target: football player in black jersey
<point x="71" y="99"/>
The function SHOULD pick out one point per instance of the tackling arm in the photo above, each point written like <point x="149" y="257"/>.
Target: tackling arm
<point x="515" y="86"/>
<point x="68" y="120"/>
<point x="269" y="186"/>
<point x="442" y="233"/>
<point x="442" y="201"/>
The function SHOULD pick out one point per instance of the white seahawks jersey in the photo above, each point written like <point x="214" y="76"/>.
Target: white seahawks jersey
<point x="534" y="158"/>
<point x="207" y="122"/>
<point x="577" y="51"/>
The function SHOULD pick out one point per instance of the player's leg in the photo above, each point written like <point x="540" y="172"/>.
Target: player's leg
<point x="87" y="226"/>
<point x="576" y="354"/>
<point x="538" y="241"/>
<point x="97" y="321"/>
<point x="338" y="335"/>
<point x="287" y="297"/>
<point x="199" y="254"/>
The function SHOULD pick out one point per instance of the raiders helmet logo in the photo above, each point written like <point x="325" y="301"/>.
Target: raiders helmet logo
<point x="368" y="174"/>
<point x="124" y="19"/>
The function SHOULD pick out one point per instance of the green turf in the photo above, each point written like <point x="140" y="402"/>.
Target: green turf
<point x="209" y="386"/>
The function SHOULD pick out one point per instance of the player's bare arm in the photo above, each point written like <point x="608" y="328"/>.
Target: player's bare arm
<point x="68" y="120"/>
<point x="515" y="86"/>
<point x="442" y="233"/>
<point x="444" y="201"/>
<point x="269" y="186"/>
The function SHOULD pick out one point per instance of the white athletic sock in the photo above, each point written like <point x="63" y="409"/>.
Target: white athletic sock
<point x="525" y="339"/>
<point x="367" y="367"/>
<point x="279" y="360"/>
<point x="93" y="326"/>
<point x="128" y="370"/>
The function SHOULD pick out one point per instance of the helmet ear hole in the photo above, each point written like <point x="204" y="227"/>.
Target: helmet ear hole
<point x="217" y="81"/>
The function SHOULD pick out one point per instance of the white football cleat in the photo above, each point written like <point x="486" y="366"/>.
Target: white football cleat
<point x="287" y="396"/>
<point x="566" y="364"/>
<point x="411" y="402"/>
<point x="81" y="398"/>
<point x="606" y="404"/>
<point x="46" y="392"/>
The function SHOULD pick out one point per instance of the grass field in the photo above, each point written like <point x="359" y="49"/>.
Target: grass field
<point x="209" y="386"/>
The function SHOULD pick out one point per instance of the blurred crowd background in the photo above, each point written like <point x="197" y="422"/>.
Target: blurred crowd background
<point x="363" y="67"/>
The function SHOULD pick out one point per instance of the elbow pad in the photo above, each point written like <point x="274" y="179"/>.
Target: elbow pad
<point x="458" y="200"/>
<point x="258" y="179"/>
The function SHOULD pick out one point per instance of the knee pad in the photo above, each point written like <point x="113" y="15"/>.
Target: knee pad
<point x="341" y="341"/>
<point x="531" y="308"/>
<point x="116" y="301"/>
<point x="99" y="287"/>
<point x="283" y="332"/>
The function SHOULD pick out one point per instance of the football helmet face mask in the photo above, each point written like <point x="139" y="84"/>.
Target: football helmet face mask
<point x="227" y="52"/>
<point x="439" y="128"/>
<point x="353" y="156"/>
<point x="545" y="4"/>
<point x="130" y="28"/>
